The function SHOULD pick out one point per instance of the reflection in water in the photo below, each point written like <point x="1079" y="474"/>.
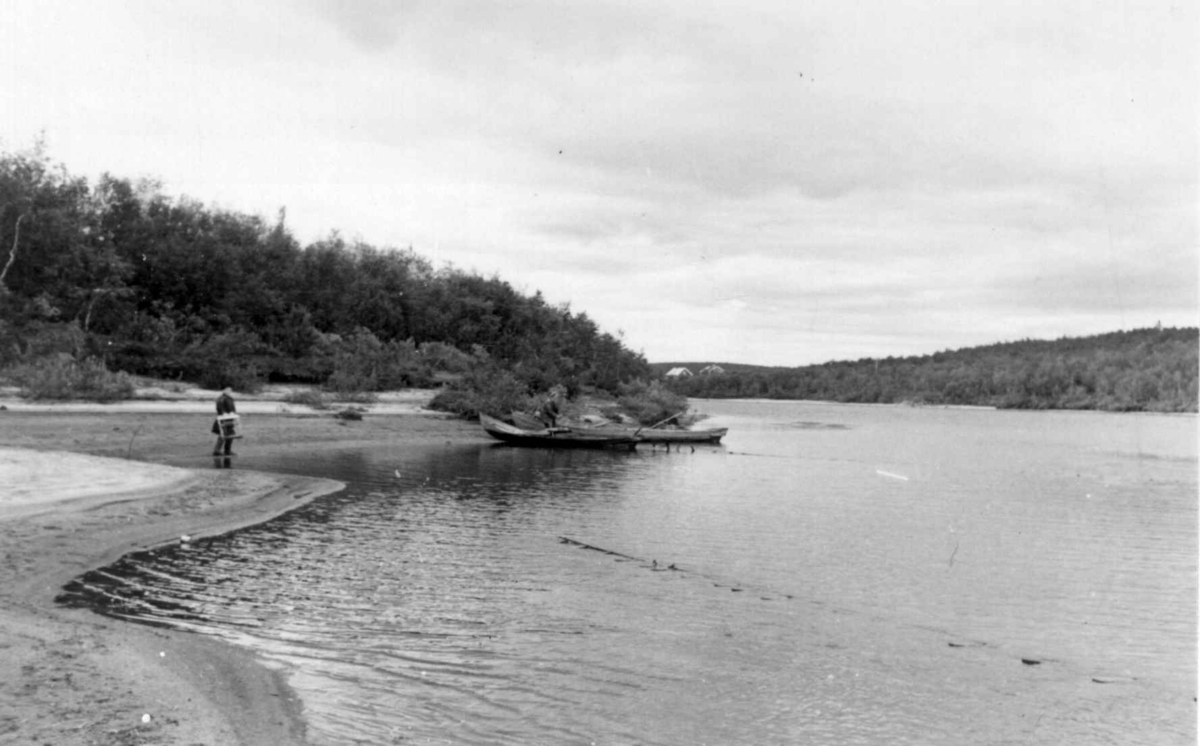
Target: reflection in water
<point x="777" y="591"/>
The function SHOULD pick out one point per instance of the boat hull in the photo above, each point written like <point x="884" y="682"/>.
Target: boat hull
<point x="556" y="438"/>
<point x="712" y="435"/>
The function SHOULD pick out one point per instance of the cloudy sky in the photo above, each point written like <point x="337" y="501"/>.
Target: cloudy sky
<point x="766" y="182"/>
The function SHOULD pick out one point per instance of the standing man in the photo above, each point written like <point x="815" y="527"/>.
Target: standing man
<point x="550" y="411"/>
<point x="225" y="406"/>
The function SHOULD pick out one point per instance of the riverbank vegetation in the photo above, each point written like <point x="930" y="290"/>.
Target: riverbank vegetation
<point x="116" y="277"/>
<point x="1139" y="370"/>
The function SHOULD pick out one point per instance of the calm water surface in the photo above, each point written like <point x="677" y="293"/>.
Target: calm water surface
<point x="829" y="575"/>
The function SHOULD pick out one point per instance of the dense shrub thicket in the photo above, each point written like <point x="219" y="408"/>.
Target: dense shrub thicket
<point x="1138" y="370"/>
<point x="119" y="273"/>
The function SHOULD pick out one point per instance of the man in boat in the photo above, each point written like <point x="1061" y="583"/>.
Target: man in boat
<point x="550" y="411"/>
<point x="224" y="430"/>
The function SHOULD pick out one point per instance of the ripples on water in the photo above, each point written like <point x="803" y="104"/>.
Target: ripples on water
<point x="829" y="575"/>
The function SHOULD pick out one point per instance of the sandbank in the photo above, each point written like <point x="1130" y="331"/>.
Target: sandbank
<point x="82" y="484"/>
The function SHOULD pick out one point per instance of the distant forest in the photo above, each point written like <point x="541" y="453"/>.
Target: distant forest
<point x="1140" y="370"/>
<point x="118" y="273"/>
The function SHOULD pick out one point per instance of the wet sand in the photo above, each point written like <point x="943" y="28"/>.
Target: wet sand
<point x="81" y="485"/>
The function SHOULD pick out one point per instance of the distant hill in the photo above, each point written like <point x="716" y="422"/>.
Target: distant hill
<point x="1139" y="370"/>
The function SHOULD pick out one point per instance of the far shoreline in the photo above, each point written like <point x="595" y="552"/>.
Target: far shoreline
<point x="965" y="407"/>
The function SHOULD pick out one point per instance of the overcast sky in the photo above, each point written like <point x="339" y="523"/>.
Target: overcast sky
<point x="764" y="182"/>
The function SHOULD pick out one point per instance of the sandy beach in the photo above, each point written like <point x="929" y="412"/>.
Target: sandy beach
<point x="82" y="484"/>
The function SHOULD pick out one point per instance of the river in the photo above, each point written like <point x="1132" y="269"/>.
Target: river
<point x="830" y="574"/>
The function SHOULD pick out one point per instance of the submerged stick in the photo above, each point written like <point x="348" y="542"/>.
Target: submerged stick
<point x="602" y="550"/>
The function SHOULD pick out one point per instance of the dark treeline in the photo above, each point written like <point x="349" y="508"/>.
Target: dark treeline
<point x="118" y="272"/>
<point x="1139" y="370"/>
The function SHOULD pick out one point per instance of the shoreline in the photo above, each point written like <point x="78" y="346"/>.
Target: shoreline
<point x="89" y="679"/>
<point x="85" y="678"/>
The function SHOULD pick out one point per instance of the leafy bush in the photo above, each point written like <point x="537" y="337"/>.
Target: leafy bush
<point x="485" y="389"/>
<point x="652" y="403"/>
<point x="439" y="357"/>
<point x="61" y="377"/>
<point x="348" y="381"/>
<point x="227" y="359"/>
<point x="242" y="376"/>
<point x="39" y="339"/>
<point x="363" y="364"/>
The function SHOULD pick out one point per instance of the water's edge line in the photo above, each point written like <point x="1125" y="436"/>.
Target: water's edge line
<point x="252" y="720"/>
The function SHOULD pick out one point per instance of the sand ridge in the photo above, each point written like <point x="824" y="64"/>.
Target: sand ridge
<point x="84" y="679"/>
<point x="82" y="487"/>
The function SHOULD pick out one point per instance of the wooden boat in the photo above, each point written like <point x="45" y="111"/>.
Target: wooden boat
<point x="558" y="437"/>
<point x="650" y="435"/>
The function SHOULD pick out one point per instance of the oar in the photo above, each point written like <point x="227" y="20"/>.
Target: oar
<point x="656" y="424"/>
